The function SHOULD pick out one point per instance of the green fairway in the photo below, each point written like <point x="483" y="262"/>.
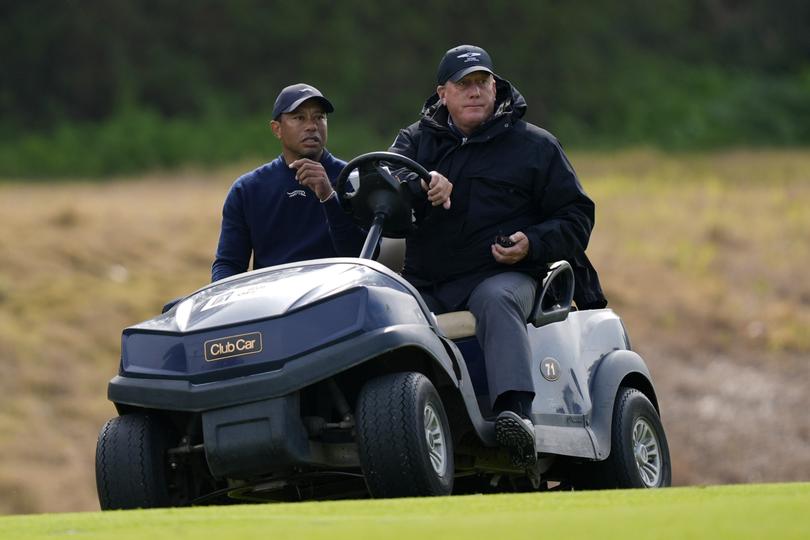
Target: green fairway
<point x="723" y="512"/>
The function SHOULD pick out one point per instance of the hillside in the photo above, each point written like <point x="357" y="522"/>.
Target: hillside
<point x="704" y="256"/>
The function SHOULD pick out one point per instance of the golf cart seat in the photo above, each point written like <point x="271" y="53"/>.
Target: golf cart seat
<point x="454" y="325"/>
<point x="551" y="304"/>
<point x="457" y="324"/>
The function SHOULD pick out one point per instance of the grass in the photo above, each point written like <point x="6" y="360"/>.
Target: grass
<point x="702" y="255"/>
<point x="727" y="512"/>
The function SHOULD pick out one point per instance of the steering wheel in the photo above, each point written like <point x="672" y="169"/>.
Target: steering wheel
<point x="379" y="193"/>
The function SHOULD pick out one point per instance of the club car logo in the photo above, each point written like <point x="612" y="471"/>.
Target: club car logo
<point x="228" y="347"/>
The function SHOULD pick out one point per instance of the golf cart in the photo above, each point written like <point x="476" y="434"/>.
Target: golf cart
<point x="331" y="378"/>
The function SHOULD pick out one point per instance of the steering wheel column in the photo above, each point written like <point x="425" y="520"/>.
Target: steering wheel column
<point x="379" y="201"/>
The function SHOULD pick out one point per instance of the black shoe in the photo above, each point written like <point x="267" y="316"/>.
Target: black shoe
<point x="516" y="433"/>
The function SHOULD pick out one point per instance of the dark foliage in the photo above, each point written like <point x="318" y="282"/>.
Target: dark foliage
<point x="674" y="73"/>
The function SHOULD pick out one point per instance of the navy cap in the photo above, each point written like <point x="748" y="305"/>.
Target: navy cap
<point x="294" y="95"/>
<point x="461" y="60"/>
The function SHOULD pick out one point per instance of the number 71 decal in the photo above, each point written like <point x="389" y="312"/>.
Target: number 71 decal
<point x="550" y="369"/>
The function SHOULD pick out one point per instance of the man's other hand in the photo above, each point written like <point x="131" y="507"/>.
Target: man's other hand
<point x="312" y="175"/>
<point x="514" y="254"/>
<point x="439" y="189"/>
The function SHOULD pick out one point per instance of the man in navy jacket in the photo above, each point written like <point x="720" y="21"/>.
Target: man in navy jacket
<point x="510" y="181"/>
<point x="286" y="210"/>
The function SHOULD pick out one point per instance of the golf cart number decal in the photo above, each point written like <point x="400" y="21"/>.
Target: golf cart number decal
<point x="228" y="347"/>
<point x="550" y="369"/>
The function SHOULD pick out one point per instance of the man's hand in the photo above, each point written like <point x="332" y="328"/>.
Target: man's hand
<point x="514" y="254"/>
<point x="439" y="189"/>
<point x="312" y="175"/>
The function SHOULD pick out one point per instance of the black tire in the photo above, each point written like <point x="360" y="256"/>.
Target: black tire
<point x="131" y="466"/>
<point x="396" y="414"/>
<point x="639" y="454"/>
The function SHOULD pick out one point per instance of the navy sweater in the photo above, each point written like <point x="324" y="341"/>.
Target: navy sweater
<point x="269" y="214"/>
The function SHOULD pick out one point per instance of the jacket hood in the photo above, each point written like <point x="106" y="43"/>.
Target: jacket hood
<point x="508" y="102"/>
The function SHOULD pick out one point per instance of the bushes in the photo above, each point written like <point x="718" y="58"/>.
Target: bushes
<point x="676" y="106"/>
<point x="130" y="141"/>
<point x="139" y="139"/>
<point x="98" y="88"/>
<point x="670" y="106"/>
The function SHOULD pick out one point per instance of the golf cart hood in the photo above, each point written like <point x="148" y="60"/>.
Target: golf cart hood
<point x="266" y="293"/>
<point x="259" y="320"/>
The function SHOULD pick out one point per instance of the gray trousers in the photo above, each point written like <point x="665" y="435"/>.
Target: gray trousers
<point x="501" y="305"/>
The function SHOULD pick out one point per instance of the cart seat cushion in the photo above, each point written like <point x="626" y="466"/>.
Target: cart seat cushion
<point x="457" y="324"/>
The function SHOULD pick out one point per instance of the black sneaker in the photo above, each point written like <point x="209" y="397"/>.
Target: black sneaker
<point x="516" y="433"/>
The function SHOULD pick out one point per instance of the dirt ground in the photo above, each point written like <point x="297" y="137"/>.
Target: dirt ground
<point x="730" y="417"/>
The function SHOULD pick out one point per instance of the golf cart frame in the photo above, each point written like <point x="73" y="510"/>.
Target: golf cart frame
<point x="331" y="378"/>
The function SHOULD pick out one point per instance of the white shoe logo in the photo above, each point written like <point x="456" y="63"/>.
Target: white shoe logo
<point x="296" y="193"/>
<point x="470" y="56"/>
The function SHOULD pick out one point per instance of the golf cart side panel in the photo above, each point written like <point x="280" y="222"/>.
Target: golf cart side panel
<point x="468" y="388"/>
<point x="562" y="399"/>
<point x="559" y="375"/>
<point x="614" y="369"/>
<point x="183" y="395"/>
<point x="564" y="354"/>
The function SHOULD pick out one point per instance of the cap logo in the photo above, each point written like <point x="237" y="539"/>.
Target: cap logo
<point x="470" y="57"/>
<point x="305" y="89"/>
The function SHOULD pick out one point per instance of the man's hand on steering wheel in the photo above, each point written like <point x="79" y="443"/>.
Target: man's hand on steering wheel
<point x="439" y="189"/>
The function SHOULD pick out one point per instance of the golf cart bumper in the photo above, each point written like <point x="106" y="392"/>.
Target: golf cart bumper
<point x="183" y="395"/>
<point x="252" y="425"/>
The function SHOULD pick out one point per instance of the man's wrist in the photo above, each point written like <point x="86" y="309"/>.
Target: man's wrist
<point x="332" y="194"/>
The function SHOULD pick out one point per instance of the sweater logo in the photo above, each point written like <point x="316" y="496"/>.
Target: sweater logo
<point x="470" y="57"/>
<point x="296" y="193"/>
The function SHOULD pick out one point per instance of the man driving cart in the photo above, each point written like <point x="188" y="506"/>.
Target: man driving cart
<point x="516" y="206"/>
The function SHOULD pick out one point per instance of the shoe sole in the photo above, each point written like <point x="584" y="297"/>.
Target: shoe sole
<point x="511" y="433"/>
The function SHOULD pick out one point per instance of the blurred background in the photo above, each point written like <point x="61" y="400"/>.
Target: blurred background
<point x="100" y="87"/>
<point x="122" y="124"/>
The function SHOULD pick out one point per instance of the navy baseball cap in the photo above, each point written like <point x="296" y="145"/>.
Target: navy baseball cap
<point x="294" y="95"/>
<point x="461" y="60"/>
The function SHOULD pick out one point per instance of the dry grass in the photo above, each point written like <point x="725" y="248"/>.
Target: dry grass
<point x="704" y="256"/>
<point x="706" y="259"/>
<point x="719" y="240"/>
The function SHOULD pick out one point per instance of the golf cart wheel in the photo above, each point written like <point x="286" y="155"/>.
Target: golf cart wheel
<point x="131" y="468"/>
<point x="404" y="438"/>
<point x="639" y="454"/>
